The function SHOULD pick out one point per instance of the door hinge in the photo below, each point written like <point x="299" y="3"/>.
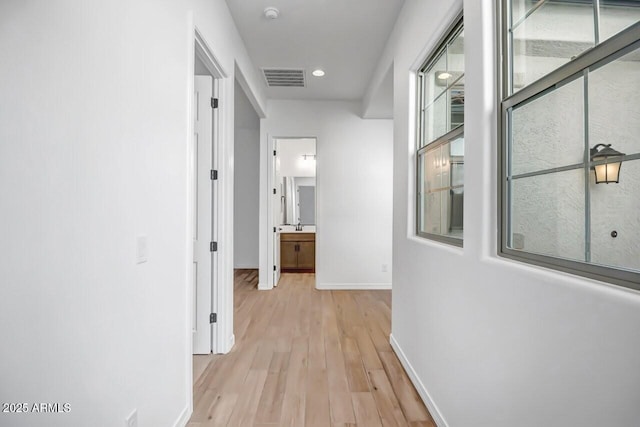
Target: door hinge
<point x="274" y="229"/>
<point x="274" y="268"/>
<point x="274" y="152"/>
<point x="214" y="102"/>
<point x="213" y="246"/>
<point x="213" y="317"/>
<point x="214" y="175"/>
<point x="274" y="191"/>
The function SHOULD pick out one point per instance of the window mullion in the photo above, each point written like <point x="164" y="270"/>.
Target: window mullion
<point x="596" y="23"/>
<point x="587" y="169"/>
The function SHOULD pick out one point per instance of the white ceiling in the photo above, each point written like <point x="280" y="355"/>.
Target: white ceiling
<point x="343" y="37"/>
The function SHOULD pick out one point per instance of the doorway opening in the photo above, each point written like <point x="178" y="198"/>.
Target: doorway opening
<point x="294" y="206"/>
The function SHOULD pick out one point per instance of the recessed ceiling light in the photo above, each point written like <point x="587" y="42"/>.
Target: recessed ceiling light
<point x="271" y="13"/>
<point x="318" y="73"/>
<point x="444" y="75"/>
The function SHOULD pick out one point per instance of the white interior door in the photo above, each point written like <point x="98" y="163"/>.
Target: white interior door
<point x="203" y="209"/>
<point x="278" y="206"/>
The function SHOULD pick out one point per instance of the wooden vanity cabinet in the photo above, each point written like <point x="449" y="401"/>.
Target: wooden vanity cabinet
<point x="298" y="252"/>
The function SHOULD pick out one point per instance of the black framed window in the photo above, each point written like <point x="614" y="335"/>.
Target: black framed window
<point x="440" y="141"/>
<point x="570" y="136"/>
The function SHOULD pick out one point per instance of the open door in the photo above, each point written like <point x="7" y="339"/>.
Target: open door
<point x="278" y="212"/>
<point x="203" y="210"/>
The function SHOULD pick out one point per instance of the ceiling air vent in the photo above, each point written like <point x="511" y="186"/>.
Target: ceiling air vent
<point x="278" y="77"/>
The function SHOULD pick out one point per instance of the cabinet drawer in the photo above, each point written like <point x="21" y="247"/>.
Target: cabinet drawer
<point x="298" y="237"/>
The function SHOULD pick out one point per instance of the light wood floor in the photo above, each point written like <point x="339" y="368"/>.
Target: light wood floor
<point x="305" y="357"/>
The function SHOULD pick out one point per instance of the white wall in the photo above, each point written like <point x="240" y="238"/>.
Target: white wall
<point x="94" y="126"/>
<point x="353" y="193"/>
<point x="246" y="180"/>
<point x="489" y="341"/>
<point x="290" y="160"/>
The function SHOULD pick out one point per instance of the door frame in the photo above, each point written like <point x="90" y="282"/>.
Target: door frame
<point x="197" y="46"/>
<point x="202" y="51"/>
<point x="271" y="220"/>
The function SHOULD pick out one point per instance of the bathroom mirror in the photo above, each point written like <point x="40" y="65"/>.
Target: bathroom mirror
<point x="298" y="200"/>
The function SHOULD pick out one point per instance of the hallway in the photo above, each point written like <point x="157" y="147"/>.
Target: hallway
<point x="305" y="357"/>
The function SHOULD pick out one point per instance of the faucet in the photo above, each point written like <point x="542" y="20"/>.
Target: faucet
<point x="299" y="226"/>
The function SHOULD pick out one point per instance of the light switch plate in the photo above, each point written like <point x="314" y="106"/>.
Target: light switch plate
<point x="142" y="249"/>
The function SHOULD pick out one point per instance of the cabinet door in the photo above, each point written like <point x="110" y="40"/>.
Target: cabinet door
<point x="307" y="255"/>
<point x="288" y="255"/>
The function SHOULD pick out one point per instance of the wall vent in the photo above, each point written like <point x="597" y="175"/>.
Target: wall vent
<point x="279" y="77"/>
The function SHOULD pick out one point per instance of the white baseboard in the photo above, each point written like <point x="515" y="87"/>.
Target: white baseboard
<point x="352" y="286"/>
<point x="422" y="391"/>
<point x="264" y="287"/>
<point x="183" y="419"/>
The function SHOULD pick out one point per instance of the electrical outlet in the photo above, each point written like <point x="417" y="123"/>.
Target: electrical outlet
<point x="384" y="268"/>
<point x="132" y="419"/>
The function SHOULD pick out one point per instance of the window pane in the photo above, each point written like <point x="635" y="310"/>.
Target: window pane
<point x="453" y="213"/>
<point x="422" y="192"/>
<point x="520" y="7"/>
<point x="549" y="131"/>
<point x="548" y="38"/>
<point x="435" y="119"/>
<point x="616" y="207"/>
<point x="430" y="179"/>
<point x="548" y="214"/>
<point x="441" y="193"/>
<point x="435" y="80"/>
<point x="615" y="18"/>
<point x="614" y="110"/>
<point x="455" y="57"/>
<point x="457" y="173"/>
<point x="432" y="214"/>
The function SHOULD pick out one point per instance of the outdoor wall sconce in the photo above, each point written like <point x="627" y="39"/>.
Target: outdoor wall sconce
<point x="608" y="162"/>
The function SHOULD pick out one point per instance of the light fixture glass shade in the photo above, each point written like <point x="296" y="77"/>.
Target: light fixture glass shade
<point x="608" y="163"/>
<point x="608" y="172"/>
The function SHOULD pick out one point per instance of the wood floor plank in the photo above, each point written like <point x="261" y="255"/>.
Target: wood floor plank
<point x="317" y="413"/>
<point x="367" y="349"/>
<point x="305" y="357"/>
<point x="336" y="369"/>
<point x="244" y="412"/>
<point x="412" y="406"/>
<point x="263" y="356"/>
<point x="374" y="321"/>
<point x="386" y="401"/>
<point x="216" y="408"/>
<point x="317" y="354"/>
<point x="270" y="405"/>
<point x="364" y="406"/>
<point x="293" y="406"/>
<point x="356" y="374"/>
<point x="341" y="408"/>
